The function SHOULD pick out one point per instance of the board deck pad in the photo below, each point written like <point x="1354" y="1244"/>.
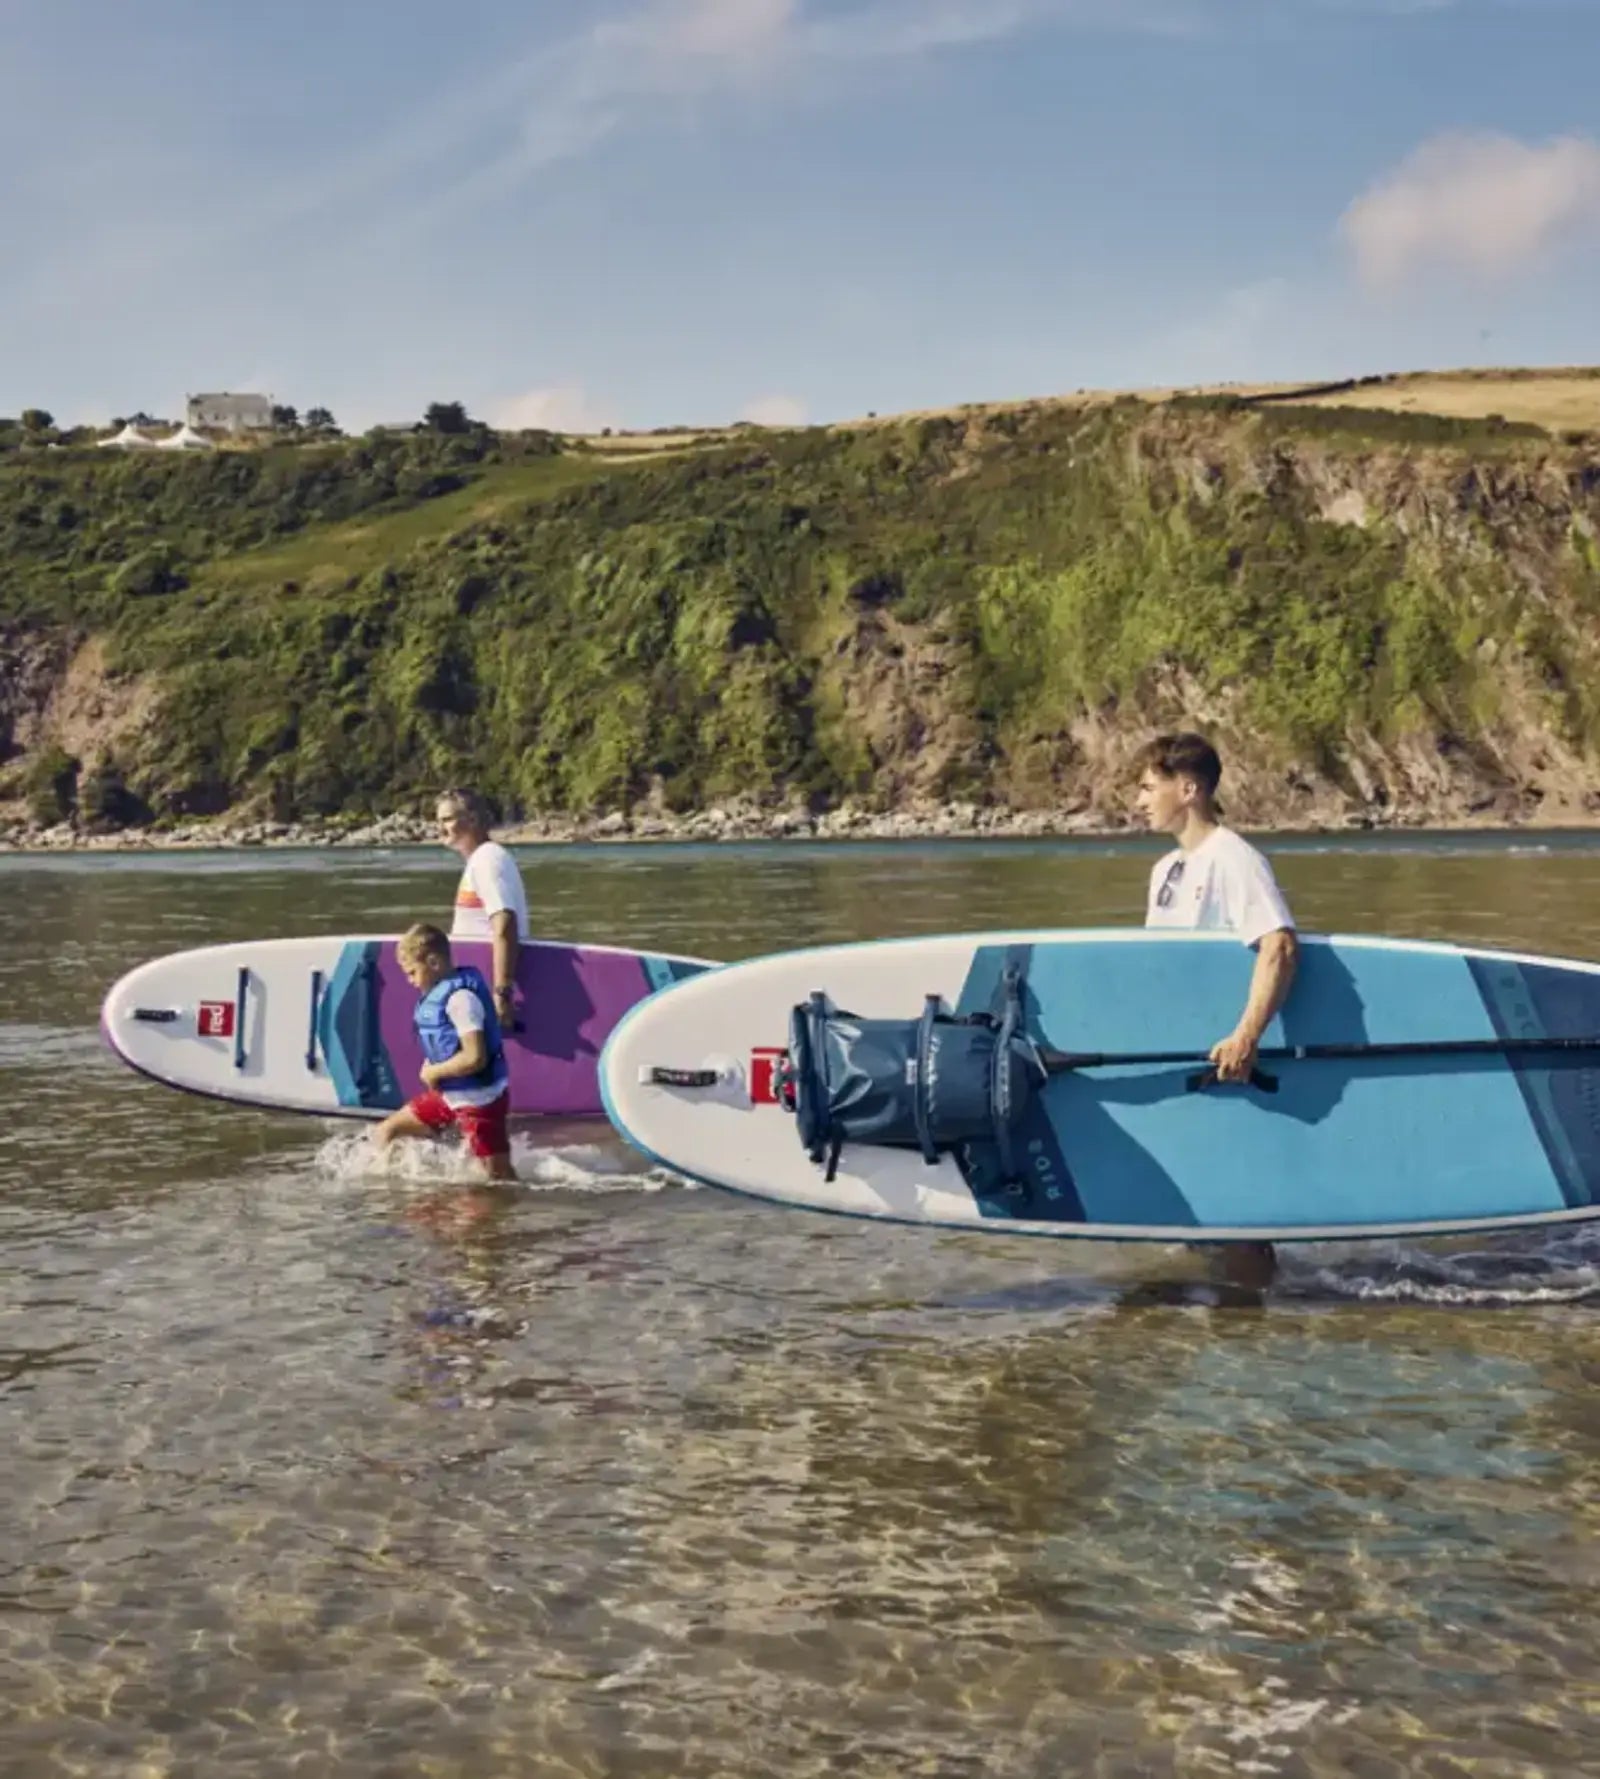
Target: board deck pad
<point x="325" y="1025"/>
<point x="1350" y="1146"/>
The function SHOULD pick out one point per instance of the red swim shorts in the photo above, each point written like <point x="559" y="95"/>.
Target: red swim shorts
<point x="484" y="1127"/>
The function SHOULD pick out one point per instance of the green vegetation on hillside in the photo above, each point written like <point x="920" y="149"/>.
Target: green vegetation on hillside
<point x="83" y="530"/>
<point x="339" y="628"/>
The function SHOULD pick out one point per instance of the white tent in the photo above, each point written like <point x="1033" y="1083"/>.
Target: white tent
<point x="130" y="438"/>
<point x="185" y="439"/>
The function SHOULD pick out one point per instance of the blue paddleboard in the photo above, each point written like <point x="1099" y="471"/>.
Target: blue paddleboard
<point x="1363" y="1144"/>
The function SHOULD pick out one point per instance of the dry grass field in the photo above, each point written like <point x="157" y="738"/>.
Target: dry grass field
<point x="1561" y="399"/>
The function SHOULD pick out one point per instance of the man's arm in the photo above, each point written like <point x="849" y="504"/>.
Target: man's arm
<point x="1277" y="956"/>
<point x="506" y="944"/>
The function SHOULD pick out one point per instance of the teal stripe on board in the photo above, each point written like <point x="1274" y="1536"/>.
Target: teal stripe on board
<point x="1562" y="1094"/>
<point x="346" y="973"/>
<point x="352" y="1039"/>
<point x="1047" y="1193"/>
<point x="660" y="972"/>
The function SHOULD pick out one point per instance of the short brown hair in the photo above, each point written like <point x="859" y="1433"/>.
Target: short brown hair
<point x="466" y="805"/>
<point x="423" y="941"/>
<point x="1184" y="755"/>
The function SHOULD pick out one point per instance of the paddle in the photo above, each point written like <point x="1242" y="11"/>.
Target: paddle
<point x="1061" y="1062"/>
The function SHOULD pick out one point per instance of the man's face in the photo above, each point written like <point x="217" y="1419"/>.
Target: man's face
<point x="453" y="829"/>
<point x="1164" y="801"/>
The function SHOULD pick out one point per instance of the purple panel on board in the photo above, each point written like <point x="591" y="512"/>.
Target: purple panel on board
<point x="568" y="1000"/>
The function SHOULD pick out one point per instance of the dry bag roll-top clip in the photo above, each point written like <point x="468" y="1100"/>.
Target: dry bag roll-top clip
<point x="939" y="1084"/>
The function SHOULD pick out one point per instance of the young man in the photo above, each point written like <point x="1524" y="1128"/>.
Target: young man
<point x="464" y="1078"/>
<point x="491" y="903"/>
<point x="1215" y="879"/>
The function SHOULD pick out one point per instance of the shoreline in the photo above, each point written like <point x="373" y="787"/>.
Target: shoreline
<point x="954" y="822"/>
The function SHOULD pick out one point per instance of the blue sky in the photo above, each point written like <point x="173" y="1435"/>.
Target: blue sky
<point x="641" y="212"/>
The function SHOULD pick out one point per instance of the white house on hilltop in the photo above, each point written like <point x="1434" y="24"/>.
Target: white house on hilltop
<point x="230" y="412"/>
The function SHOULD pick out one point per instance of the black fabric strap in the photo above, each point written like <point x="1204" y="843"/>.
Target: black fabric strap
<point x="921" y="1117"/>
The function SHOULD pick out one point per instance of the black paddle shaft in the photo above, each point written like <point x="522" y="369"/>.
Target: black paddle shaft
<point x="1061" y="1062"/>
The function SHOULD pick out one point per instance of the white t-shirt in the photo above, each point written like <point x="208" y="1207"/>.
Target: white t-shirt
<point x="490" y="882"/>
<point x="466" y="1013"/>
<point x="1224" y="884"/>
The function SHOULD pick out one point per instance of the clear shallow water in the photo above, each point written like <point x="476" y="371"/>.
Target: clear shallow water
<point x="385" y="1473"/>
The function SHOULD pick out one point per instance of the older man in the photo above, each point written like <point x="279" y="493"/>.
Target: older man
<point x="491" y="903"/>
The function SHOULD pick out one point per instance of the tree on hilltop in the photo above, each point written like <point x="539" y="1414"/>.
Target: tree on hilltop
<point x="37" y="420"/>
<point x="320" y="420"/>
<point x="285" y="418"/>
<point x="447" y="417"/>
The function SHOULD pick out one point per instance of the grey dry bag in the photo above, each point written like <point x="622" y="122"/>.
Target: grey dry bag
<point x="939" y="1084"/>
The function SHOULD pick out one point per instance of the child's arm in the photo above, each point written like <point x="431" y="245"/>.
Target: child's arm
<point x="471" y="1057"/>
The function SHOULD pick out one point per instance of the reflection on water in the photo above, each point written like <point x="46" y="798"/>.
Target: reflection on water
<point x="380" y="1471"/>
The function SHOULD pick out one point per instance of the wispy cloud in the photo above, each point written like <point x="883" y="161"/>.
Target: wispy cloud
<point x="492" y="132"/>
<point x="564" y="407"/>
<point x="618" y="74"/>
<point x="1214" y="338"/>
<point x="776" y="410"/>
<point x="622" y="72"/>
<point x="117" y="212"/>
<point x="710" y="30"/>
<point x="1487" y="204"/>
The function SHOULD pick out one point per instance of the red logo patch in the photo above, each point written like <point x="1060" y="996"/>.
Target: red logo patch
<point x="216" y="1019"/>
<point x="764" y="1076"/>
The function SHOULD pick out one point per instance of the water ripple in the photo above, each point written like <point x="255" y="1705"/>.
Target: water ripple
<point x="315" y="1465"/>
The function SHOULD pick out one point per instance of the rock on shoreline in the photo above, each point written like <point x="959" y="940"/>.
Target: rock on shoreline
<point x="721" y="822"/>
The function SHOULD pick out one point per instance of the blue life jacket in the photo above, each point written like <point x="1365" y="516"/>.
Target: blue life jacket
<point x="440" y="1039"/>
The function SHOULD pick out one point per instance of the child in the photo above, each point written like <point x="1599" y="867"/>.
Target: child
<point x="464" y="1077"/>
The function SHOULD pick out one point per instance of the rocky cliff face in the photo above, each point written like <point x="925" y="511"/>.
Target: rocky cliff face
<point x="1378" y="620"/>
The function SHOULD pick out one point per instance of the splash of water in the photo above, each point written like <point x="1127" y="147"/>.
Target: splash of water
<point x="1553" y="1267"/>
<point x="347" y="1156"/>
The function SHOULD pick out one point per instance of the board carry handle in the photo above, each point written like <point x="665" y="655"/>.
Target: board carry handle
<point x="239" y="1001"/>
<point x="1203" y="1078"/>
<point x="367" y="976"/>
<point x="155" y="1015"/>
<point x="311" y="1035"/>
<point x="650" y="1075"/>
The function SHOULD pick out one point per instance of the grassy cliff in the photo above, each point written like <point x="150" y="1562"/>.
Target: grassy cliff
<point x="1375" y="611"/>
